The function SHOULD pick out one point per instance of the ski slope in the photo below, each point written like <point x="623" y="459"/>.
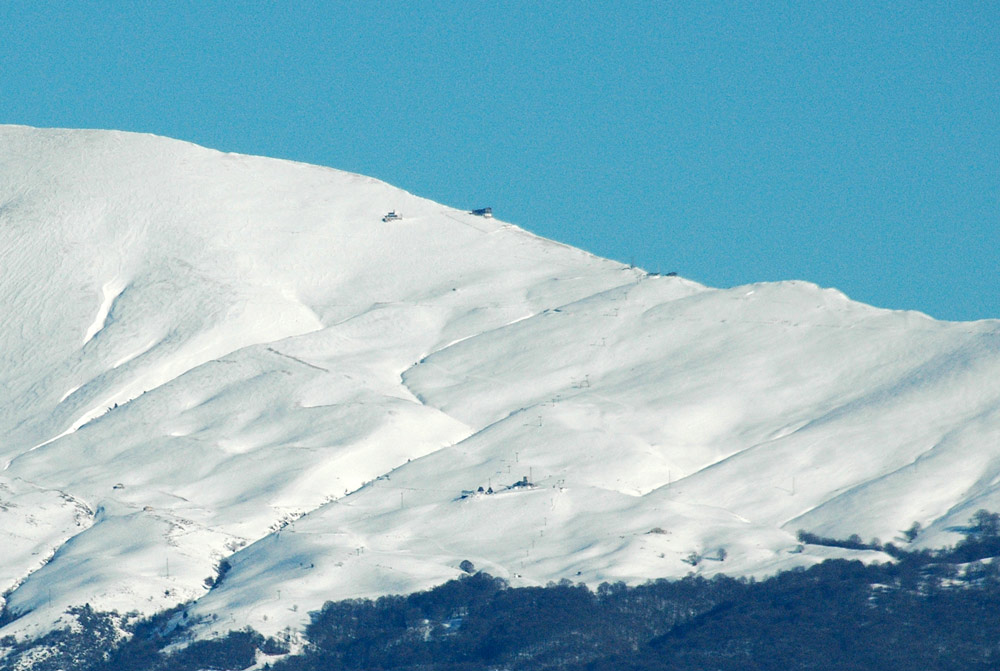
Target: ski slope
<point x="208" y="356"/>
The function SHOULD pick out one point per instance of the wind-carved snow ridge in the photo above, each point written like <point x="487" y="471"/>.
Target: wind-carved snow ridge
<point x="568" y="417"/>
<point x="111" y="290"/>
<point x="69" y="392"/>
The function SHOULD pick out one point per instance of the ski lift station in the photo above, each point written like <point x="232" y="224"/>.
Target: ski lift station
<point x="392" y="216"/>
<point x="483" y="212"/>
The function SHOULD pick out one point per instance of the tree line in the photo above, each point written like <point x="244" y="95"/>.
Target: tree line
<point x="929" y="610"/>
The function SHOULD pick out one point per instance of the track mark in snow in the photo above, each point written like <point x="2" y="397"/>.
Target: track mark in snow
<point x="466" y="223"/>
<point x="111" y="290"/>
<point x="298" y="360"/>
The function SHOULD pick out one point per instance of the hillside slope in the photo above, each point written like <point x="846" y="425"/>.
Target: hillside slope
<point x="210" y="356"/>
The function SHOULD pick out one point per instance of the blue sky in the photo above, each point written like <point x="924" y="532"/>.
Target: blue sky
<point x="855" y="145"/>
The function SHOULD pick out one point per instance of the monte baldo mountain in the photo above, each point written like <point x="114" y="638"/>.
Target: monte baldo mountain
<point x="236" y="383"/>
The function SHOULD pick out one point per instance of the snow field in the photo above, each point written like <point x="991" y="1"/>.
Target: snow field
<point x="210" y="356"/>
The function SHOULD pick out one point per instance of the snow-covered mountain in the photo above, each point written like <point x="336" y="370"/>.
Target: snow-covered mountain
<point x="211" y="356"/>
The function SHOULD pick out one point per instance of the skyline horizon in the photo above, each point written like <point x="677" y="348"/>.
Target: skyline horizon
<point x="854" y="147"/>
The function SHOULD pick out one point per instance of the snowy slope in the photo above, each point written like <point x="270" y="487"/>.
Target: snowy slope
<point x="209" y="355"/>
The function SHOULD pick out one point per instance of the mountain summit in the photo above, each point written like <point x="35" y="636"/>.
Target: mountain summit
<point x="211" y="359"/>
